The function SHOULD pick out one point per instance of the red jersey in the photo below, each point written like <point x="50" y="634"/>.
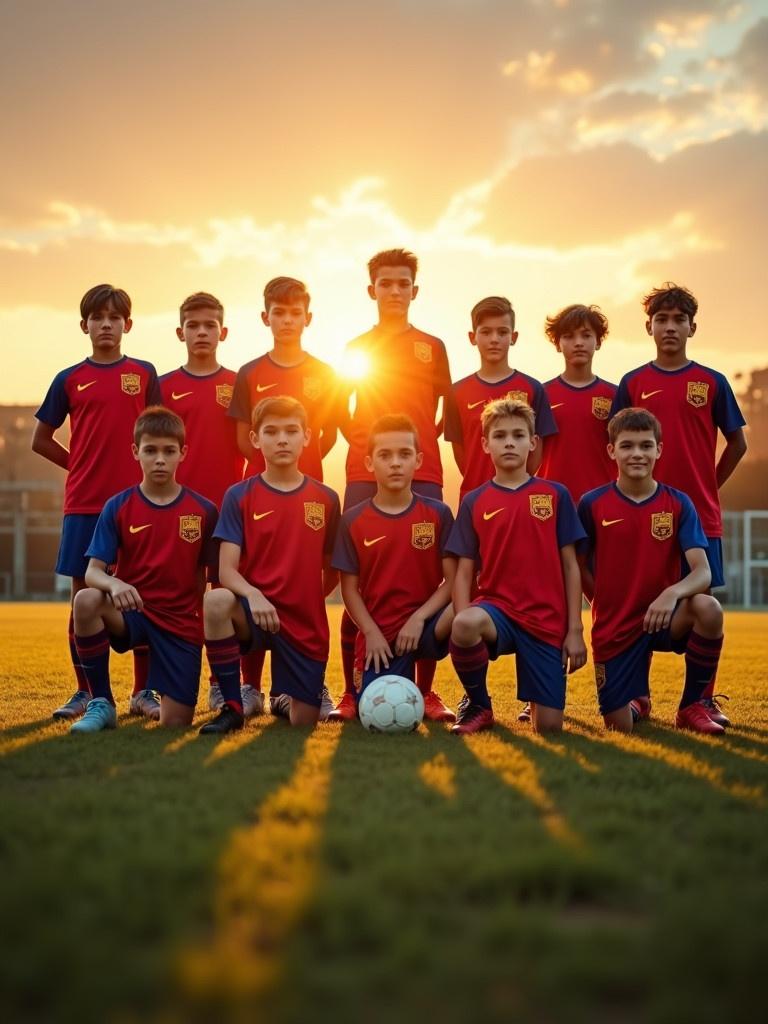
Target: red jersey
<point x="213" y="461"/>
<point x="408" y="374"/>
<point x="284" y="538"/>
<point x="397" y="557"/>
<point x="103" y="401"/>
<point x="161" y="550"/>
<point x="635" y="550"/>
<point x="311" y="382"/>
<point x="577" y="455"/>
<point x="515" y="537"/>
<point x="462" y="421"/>
<point x="691" y="404"/>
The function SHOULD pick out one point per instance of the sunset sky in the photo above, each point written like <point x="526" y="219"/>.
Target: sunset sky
<point x="549" y="150"/>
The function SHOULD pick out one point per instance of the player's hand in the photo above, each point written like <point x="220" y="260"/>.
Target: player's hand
<point x="574" y="650"/>
<point x="124" y="596"/>
<point x="407" y="639"/>
<point x="264" y="612"/>
<point x="660" y="611"/>
<point x="377" y="650"/>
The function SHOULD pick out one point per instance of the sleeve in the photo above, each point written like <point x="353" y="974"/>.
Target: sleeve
<point x="332" y="529"/>
<point x="154" y="394"/>
<point x="542" y="411"/>
<point x="463" y="540"/>
<point x="587" y="544"/>
<point x="105" y="542"/>
<point x="166" y="386"/>
<point x="621" y="399"/>
<point x="446" y="525"/>
<point x="442" y="376"/>
<point x="569" y="528"/>
<point x="344" y="553"/>
<point x="209" y="556"/>
<point x="240" y="406"/>
<point x="690" y="533"/>
<point x="230" y="524"/>
<point x="55" y="407"/>
<point x="725" y="409"/>
<point x="452" y="428"/>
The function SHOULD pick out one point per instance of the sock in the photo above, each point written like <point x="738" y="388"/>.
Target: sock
<point x="93" y="654"/>
<point x="425" y="674"/>
<point x="348" y="638"/>
<point x="82" y="680"/>
<point x="140" y="668"/>
<point x="702" y="656"/>
<point x="471" y="664"/>
<point x="224" y="659"/>
<point x="251" y="666"/>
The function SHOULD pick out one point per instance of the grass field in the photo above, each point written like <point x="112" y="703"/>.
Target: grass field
<point x="288" y="876"/>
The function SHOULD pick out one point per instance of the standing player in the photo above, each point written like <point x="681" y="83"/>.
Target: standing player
<point x="406" y="371"/>
<point x="395" y="579"/>
<point x="102" y="396"/>
<point x="645" y="528"/>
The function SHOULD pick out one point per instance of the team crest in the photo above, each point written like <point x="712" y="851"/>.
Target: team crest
<point x="423" y="351"/>
<point x="662" y="524"/>
<point x="599" y="675"/>
<point x="224" y="394"/>
<point x="601" y="407"/>
<point x="130" y="383"/>
<point x="190" y="528"/>
<point x="518" y="396"/>
<point x="541" y="506"/>
<point x="314" y="514"/>
<point x="423" y="535"/>
<point x="697" y="393"/>
<point x="312" y="388"/>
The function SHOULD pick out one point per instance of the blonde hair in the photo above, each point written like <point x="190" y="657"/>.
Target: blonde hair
<point x="504" y="408"/>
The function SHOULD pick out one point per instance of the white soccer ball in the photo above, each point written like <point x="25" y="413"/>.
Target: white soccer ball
<point x="391" y="704"/>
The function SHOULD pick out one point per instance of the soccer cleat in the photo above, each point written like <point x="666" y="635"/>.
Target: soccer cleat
<point x="435" y="710"/>
<point x="713" y="709"/>
<point x="253" y="700"/>
<point x="345" y="710"/>
<point x="227" y="720"/>
<point x="640" y="708"/>
<point x="525" y="714"/>
<point x="326" y="705"/>
<point x="472" y="718"/>
<point x="215" y="698"/>
<point x="280" y="705"/>
<point x="74" y="707"/>
<point x="146" y="703"/>
<point x="696" y="719"/>
<point x="99" y="714"/>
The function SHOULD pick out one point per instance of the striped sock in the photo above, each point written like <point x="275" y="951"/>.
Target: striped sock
<point x="471" y="664"/>
<point x="251" y="667"/>
<point x="224" y="659"/>
<point x="82" y="680"/>
<point x="425" y="674"/>
<point x="348" y="638"/>
<point x="702" y="656"/>
<point x="93" y="654"/>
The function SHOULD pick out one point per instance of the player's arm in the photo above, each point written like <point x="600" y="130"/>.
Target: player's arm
<point x="124" y="596"/>
<point x="45" y="444"/>
<point x="408" y="637"/>
<point x="377" y="650"/>
<point x="244" y="439"/>
<point x="460" y="456"/>
<point x="574" y="649"/>
<point x="587" y="579"/>
<point x="660" y="611"/>
<point x="462" y="584"/>
<point x="734" y="451"/>
<point x="263" y="611"/>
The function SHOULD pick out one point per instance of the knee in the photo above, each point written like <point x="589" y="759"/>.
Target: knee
<point x="218" y="605"/>
<point x="707" y="615"/>
<point x="465" y="629"/>
<point x="87" y="604"/>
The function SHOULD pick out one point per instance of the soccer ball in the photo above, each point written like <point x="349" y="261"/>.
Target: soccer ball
<point x="391" y="704"/>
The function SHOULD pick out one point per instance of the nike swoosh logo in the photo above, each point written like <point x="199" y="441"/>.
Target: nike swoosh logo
<point x="649" y="394"/>
<point x="557" y="406"/>
<point x="490" y="515"/>
<point x="611" y="522"/>
<point x="474" y="405"/>
<point x="265" y="387"/>
<point x="183" y="394"/>
<point x="82" y="387"/>
<point x="138" y="529"/>
<point x="370" y="543"/>
<point x="262" y="515"/>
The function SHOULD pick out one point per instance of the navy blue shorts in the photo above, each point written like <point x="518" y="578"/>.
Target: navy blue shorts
<point x="293" y="673"/>
<point x="405" y="664"/>
<point x="76" y="534"/>
<point x="361" y="490"/>
<point x="539" y="665"/>
<point x="174" y="663"/>
<point x="625" y="676"/>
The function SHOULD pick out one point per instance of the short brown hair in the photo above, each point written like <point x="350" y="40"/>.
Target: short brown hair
<point x="285" y="289"/>
<point x="633" y="419"/>
<point x="157" y="421"/>
<point x="669" y="296"/>
<point x="278" y="405"/>
<point x="103" y="295"/>
<point x="393" y="421"/>
<point x="493" y="305"/>
<point x="504" y="408"/>
<point x="572" y="317"/>
<point x="201" y="300"/>
<point x="392" y="258"/>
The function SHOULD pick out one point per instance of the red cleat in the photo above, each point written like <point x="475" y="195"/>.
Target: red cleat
<point x="472" y="718"/>
<point x="696" y="719"/>
<point x="713" y="709"/>
<point x="640" y="708"/>
<point x="435" y="710"/>
<point x="345" y="710"/>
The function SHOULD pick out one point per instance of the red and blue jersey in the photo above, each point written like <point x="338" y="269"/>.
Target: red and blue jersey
<point x="691" y="404"/>
<point x="213" y="461"/>
<point x="285" y="538"/>
<point x="103" y="401"/>
<point x="635" y="550"/>
<point x="577" y="455"/>
<point x="398" y="558"/>
<point x="462" y="421"/>
<point x="311" y="382"/>
<point x="407" y="373"/>
<point x="162" y="551"/>
<point x="514" y="535"/>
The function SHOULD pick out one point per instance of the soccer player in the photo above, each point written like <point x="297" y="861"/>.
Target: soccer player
<point x="102" y="395"/>
<point x="493" y="334"/>
<point x="400" y="369"/>
<point x="277" y="531"/>
<point x="638" y="531"/>
<point x="577" y="455"/>
<point x="395" y="578"/>
<point x="158" y="535"/>
<point x="519" y="531"/>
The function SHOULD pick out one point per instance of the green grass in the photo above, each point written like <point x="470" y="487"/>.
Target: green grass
<point x="286" y="876"/>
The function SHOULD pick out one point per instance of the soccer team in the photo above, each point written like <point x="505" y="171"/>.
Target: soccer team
<point x="195" y="514"/>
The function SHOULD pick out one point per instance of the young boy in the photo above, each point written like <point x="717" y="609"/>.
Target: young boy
<point x="406" y="371"/>
<point x="493" y="333"/>
<point x="637" y="530"/>
<point x="158" y="535"/>
<point x="577" y="455"/>
<point x="395" y="579"/>
<point x="520" y="532"/>
<point x="277" y="531"/>
<point x="102" y="396"/>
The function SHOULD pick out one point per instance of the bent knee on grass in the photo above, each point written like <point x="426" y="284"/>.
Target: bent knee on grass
<point x="619" y="720"/>
<point x="707" y="615"/>
<point x="174" y="715"/>
<point x="544" y="719"/>
<point x="303" y="714"/>
<point x="89" y="606"/>
<point x="220" y="608"/>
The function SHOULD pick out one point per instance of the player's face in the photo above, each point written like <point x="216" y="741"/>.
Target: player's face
<point x="670" y="329"/>
<point x="394" y="460"/>
<point x="509" y="443"/>
<point x="201" y="331"/>
<point x="493" y="337"/>
<point x="281" y="440"/>
<point x="393" y="291"/>
<point x="287" y="321"/>
<point x="635" y="453"/>
<point x="106" y="327"/>
<point x="578" y="346"/>
<point x="159" y="458"/>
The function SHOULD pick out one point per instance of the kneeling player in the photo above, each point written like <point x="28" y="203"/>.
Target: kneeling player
<point x="158" y="535"/>
<point x="638" y="532"/>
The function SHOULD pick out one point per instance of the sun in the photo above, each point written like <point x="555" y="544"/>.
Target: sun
<point x="356" y="365"/>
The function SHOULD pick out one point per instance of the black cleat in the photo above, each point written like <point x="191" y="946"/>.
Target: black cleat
<point x="227" y="720"/>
